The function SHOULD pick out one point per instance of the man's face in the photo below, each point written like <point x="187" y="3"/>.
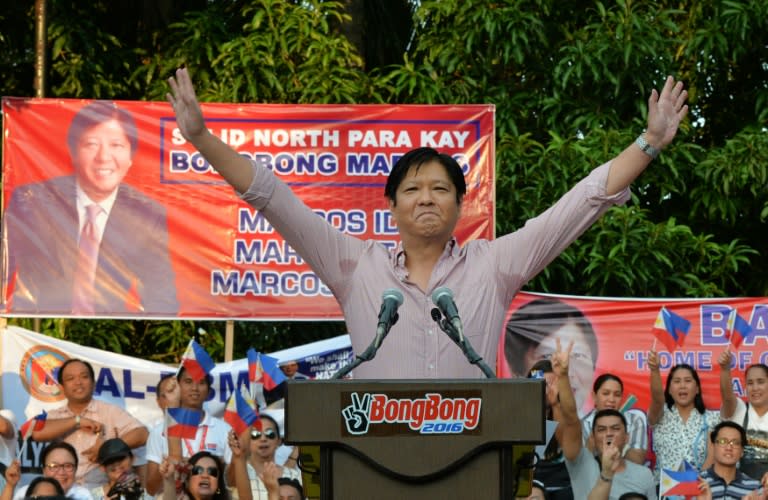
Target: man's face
<point x="728" y="447"/>
<point x="426" y="205"/>
<point x="169" y="395"/>
<point x="76" y="382"/>
<point x="607" y="430"/>
<point x="290" y="368"/>
<point x="102" y="158"/>
<point x="192" y="394"/>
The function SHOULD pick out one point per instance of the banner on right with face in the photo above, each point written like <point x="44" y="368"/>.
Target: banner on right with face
<point x="615" y="335"/>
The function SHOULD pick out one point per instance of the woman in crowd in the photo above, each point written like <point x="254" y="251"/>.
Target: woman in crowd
<point x="42" y="486"/>
<point x="263" y="440"/>
<point x="531" y="334"/>
<point x="608" y="393"/>
<point x="752" y="416"/>
<point x="59" y="461"/>
<point x="680" y="421"/>
<point x="202" y="478"/>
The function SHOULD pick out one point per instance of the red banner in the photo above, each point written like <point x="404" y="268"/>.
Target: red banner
<point x="188" y="247"/>
<point x="615" y="335"/>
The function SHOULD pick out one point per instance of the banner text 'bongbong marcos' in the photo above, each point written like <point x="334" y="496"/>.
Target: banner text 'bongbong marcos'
<point x="175" y="239"/>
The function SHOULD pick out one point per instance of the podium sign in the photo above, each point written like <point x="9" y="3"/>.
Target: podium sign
<point x="417" y="439"/>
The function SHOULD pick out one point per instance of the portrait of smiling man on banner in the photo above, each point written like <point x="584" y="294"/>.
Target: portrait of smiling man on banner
<point x="88" y="244"/>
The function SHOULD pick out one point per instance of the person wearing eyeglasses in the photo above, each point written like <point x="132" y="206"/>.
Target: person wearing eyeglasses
<point x="202" y="478"/>
<point x="723" y="480"/>
<point x="263" y="441"/>
<point x="752" y="415"/>
<point x="59" y="461"/>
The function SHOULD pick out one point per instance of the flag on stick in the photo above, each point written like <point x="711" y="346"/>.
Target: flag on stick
<point x="183" y="422"/>
<point x="239" y="414"/>
<point x="196" y="361"/>
<point x="684" y="482"/>
<point x="273" y="375"/>
<point x="738" y="329"/>
<point x="670" y="329"/>
<point x="35" y="423"/>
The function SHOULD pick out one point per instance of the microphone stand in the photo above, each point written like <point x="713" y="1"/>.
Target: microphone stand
<point x="366" y="355"/>
<point x="463" y="343"/>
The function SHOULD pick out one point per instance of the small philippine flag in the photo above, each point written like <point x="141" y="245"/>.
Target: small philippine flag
<point x="239" y="413"/>
<point x="183" y="422"/>
<point x="684" y="482"/>
<point x="738" y="329"/>
<point x="196" y="361"/>
<point x="35" y="423"/>
<point x="670" y="329"/>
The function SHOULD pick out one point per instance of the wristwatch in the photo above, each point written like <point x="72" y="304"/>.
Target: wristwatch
<point x="77" y="421"/>
<point x="606" y="479"/>
<point x="647" y="148"/>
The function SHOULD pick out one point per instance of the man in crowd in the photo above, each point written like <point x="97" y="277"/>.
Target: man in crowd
<point x="615" y="475"/>
<point x="724" y="480"/>
<point x="85" y="422"/>
<point x="424" y="191"/>
<point x="88" y="243"/>
<point x="212" y="433"/>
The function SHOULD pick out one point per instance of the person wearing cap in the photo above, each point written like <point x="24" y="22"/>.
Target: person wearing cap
<point x="116" y="460"/>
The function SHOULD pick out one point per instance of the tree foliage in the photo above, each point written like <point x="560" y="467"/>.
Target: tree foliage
<point x="570" y="81"/>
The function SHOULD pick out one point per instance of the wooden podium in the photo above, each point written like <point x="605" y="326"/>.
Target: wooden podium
<point x="422" y="439"/>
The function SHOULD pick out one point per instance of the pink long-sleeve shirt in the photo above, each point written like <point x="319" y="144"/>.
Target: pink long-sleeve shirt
<point x="483" y="275"/>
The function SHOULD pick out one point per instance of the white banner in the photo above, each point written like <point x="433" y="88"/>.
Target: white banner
<point x="30" y="362"/>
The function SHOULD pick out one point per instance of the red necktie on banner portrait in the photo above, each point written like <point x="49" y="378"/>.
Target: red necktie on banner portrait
<point x="88" y="255"/>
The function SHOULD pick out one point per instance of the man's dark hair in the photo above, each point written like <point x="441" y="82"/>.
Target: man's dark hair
<point x="295" y="484"/>
<point x="609" y="412"/>
<point x="729" y="424"/>
<point x="633" y="496"/>
<point x="415" y="158"/>
<point x="60" y="373"/>
<point x="55" y="446"/>
<point x="97" y="113"/>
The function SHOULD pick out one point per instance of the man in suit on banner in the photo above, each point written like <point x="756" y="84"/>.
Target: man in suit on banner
<point x="87" y="244"/>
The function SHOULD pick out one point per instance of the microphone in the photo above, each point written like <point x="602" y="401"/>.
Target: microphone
<point x="463" y="343"/>
<point x="391" y="299"/>
<point x="442" y="297"/>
